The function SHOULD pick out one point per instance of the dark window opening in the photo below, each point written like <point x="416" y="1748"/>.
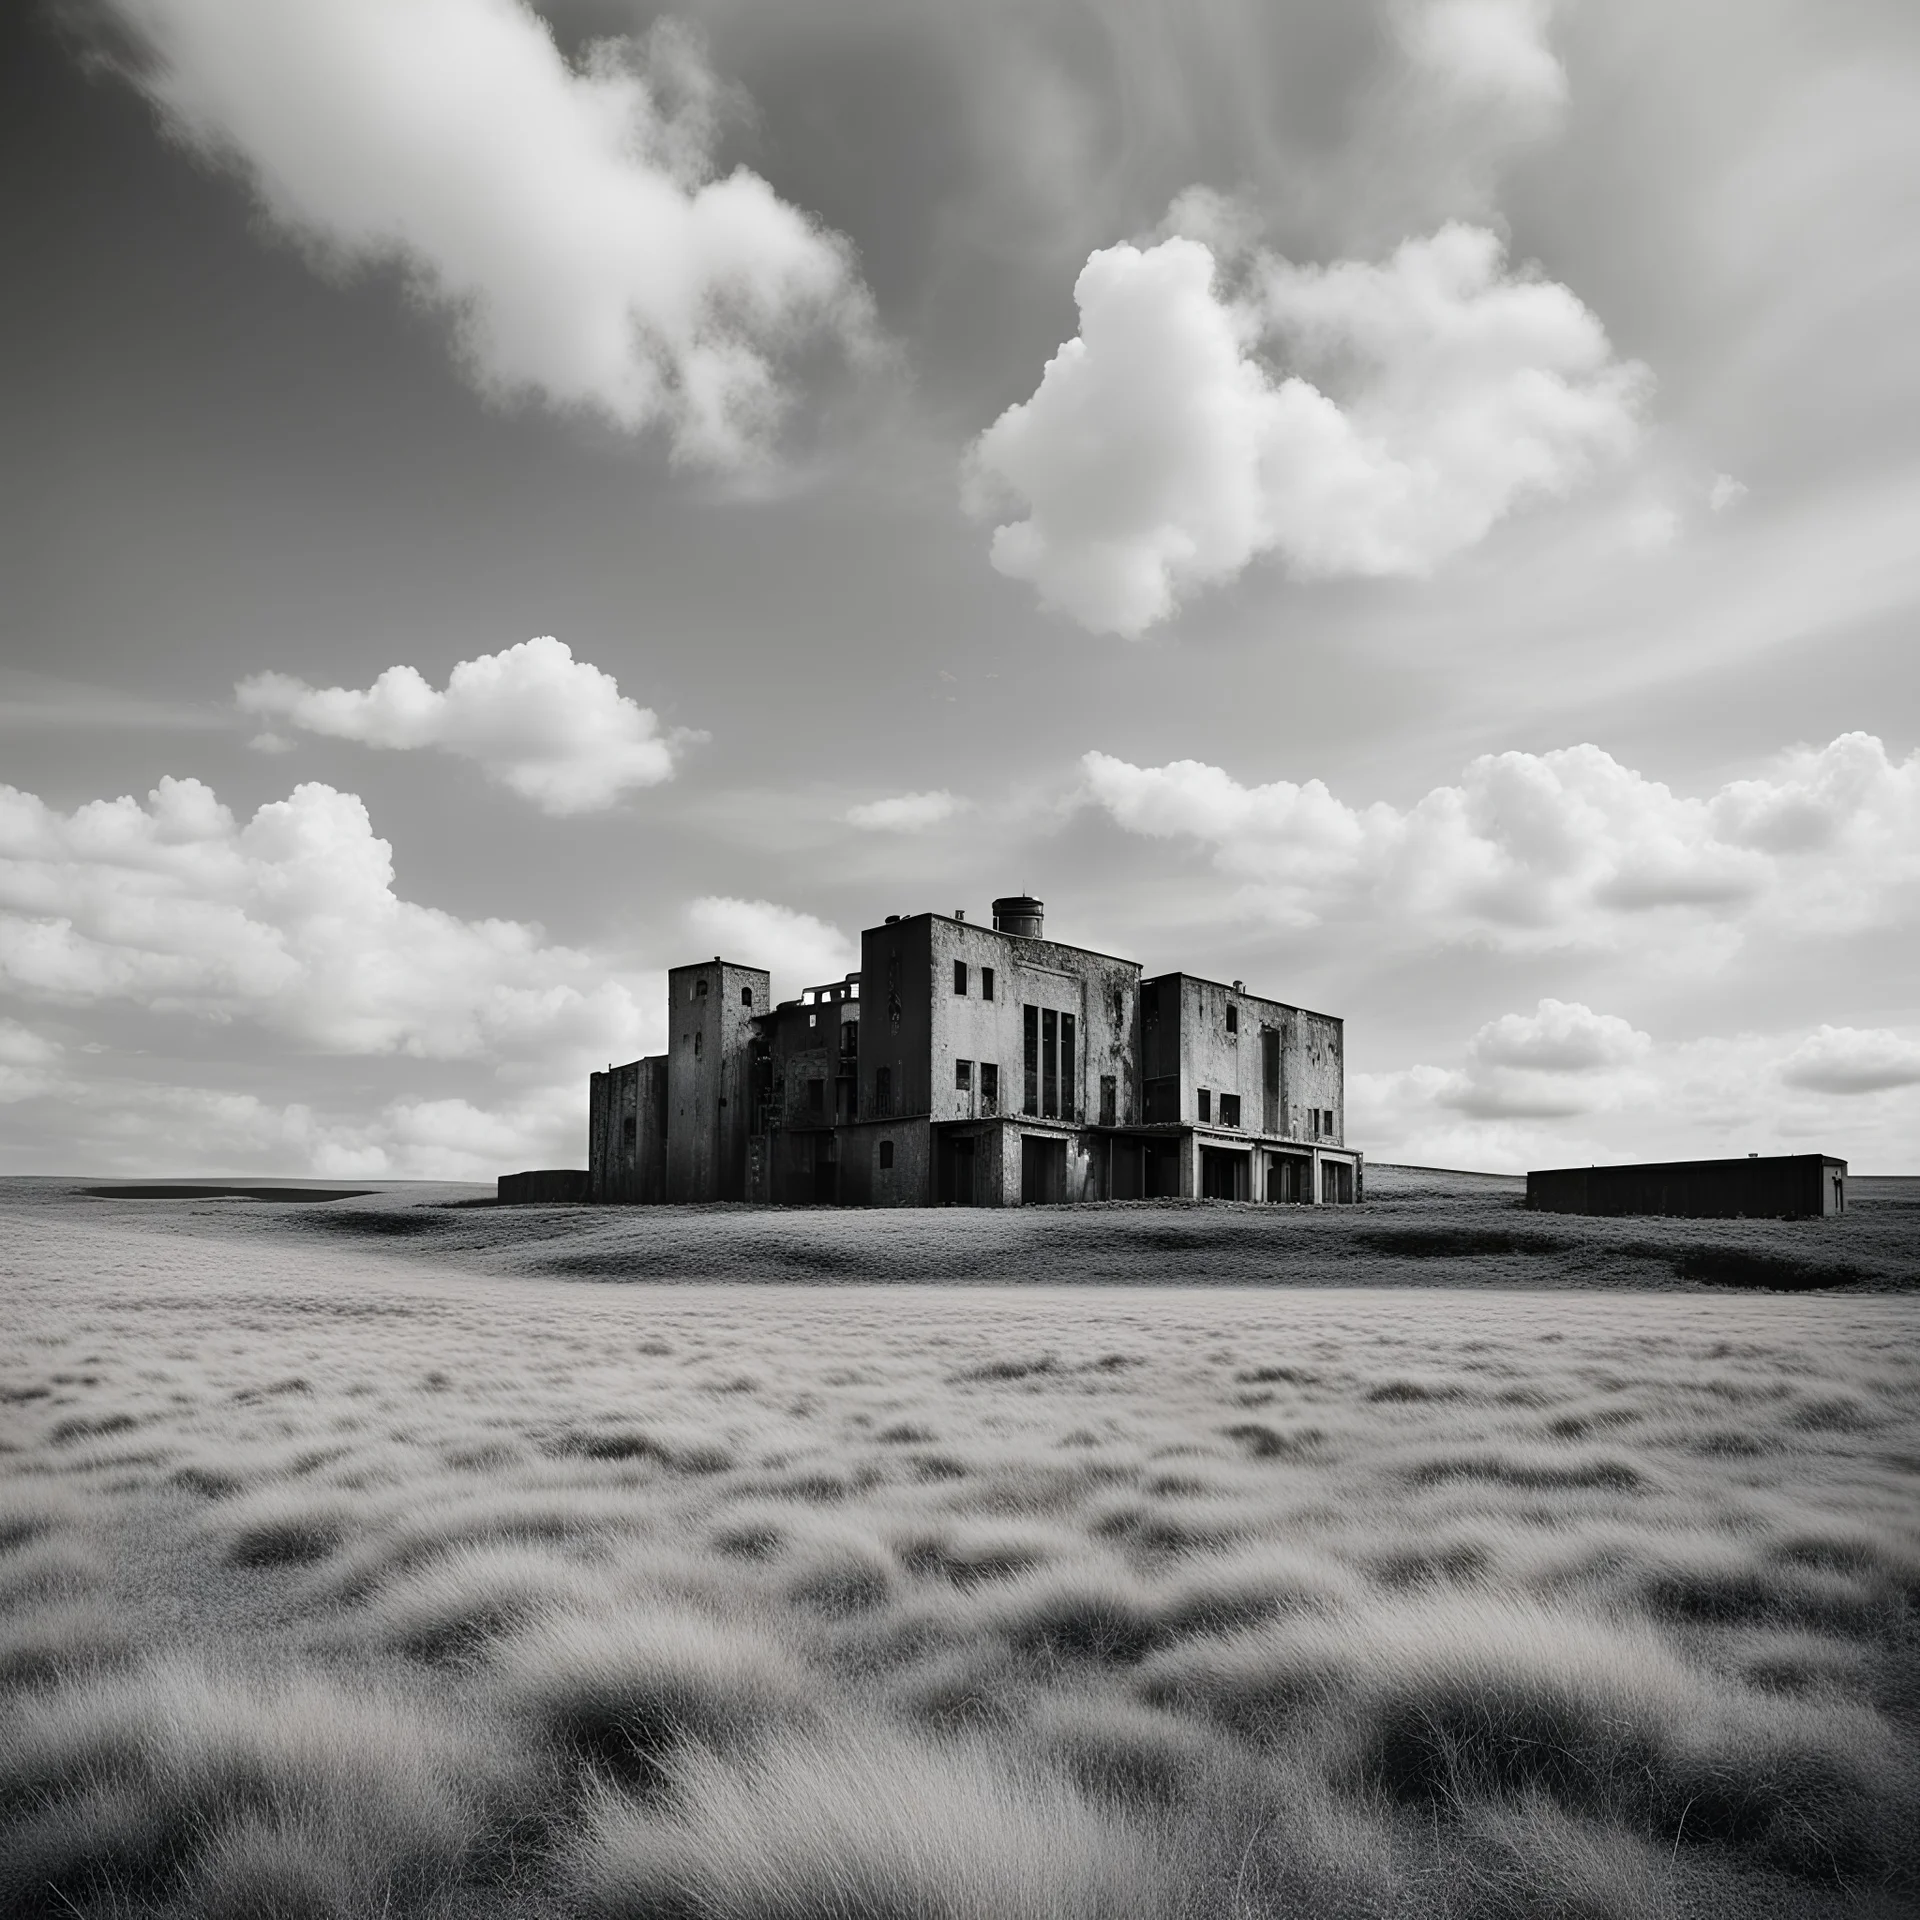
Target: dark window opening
<point x="630" y="1131"/>
<point x="1049" y="1064"/>
<point x="963" y="1075"/>
<point x="883" y="1093"/>
<point x="1030" y="1035"/>
<point x="1233" y="1019"/>
<point x="1270" y="1079"/>
<point x="1109" y="1101"/>
<point x="746" y="996"/>
<point x="1327" y="1123"/>
<point x="986" y="983"/>
<point x="989" y="1086"/>
<point x="697" y="1038"/>
<point x="886" y="1153"/>
<point x="1229" y="1109"/>
<point x="1069" y="1067"/>
<point x="816" y="1096"/>
<point x="959" y="976"/>
<point x="700" y="989"/>
<point x="1206" y="1107"/>
<point x="1150" y="1002"/>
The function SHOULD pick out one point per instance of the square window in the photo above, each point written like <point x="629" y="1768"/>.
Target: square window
<point x="1233" y="1019"/>
<point x="963" y="1075"/>
<point x="886" y="1153"/>
<point x="1229" y="1109"/>
<point x="960" y="976"/>
<point x="1206" y="1107"/>
<point x="986" y="983"/>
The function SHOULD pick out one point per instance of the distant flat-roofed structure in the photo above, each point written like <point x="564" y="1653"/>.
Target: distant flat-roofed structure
<point x="1790" y="1186"/>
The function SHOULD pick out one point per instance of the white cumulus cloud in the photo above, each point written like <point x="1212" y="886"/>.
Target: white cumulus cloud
<point x="907" y="812"/>
<point x="1531" y="852"/>
<point x="567" y="219"/>
<point x="798" y="950"/>
<point x="1849" y="1060"/>
<point x="557" y="730"/>
<point x="1417" y="402"/>
<point x="288" y="921"/>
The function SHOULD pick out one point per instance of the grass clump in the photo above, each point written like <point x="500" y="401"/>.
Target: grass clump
<point x="871" y="1827"/>
<point x="144" y="1780"/>
<point x="620" y="1692"/>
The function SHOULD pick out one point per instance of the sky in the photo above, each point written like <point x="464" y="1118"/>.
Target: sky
<point x="1413" y="504"/>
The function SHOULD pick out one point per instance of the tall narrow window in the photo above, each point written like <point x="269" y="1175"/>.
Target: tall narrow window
<point x="698" y="1036"/>
<point x="963" y="1075"/>
<point x="1049" y="1064"/>
<point x="1069" y="1068"/>
<point x="1206" y="1107"/>
<point x="886" y="1153"/>
<point x="960" y="976"/>
<point x="883" y="1093"/>
<point x="1030" y="1033"/>
<point x="986" y="983"/>
<point x="1109" y="1101"/>
<point x="1233" y="1019"/>
<point x="746" y="996"/>
<point x="816" y="1096"/>
<point x="989" y="1086"/>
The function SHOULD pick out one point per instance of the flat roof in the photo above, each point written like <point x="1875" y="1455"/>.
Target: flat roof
<point x="1696" y="1166"/>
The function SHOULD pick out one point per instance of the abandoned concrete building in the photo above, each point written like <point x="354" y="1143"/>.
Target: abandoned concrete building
<point x="970" y="1065"/>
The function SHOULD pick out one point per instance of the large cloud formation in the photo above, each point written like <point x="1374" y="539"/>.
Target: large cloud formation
<point x="567" y="220"/>
<point x="556" y="730"/>
<point x="1532" y="852"/>
<point x="1422" y="400"/>
<point x="1565" y="1085"/>
<point x="289" y="921"/>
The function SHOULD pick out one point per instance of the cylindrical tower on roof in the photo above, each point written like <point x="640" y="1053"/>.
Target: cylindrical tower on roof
<point x="1019" y="913"/>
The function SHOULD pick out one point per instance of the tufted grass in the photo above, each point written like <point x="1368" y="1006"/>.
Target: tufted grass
<point x="339" y="1580"/>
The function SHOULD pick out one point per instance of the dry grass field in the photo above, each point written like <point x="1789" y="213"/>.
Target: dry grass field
<point x="391" y="1556"/>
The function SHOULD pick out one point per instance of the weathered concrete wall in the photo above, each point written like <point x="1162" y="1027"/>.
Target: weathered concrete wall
<point x="908" y="1182"/>
<point x="1199" y="1035"/>
<point x="626" y="1132"/>
<point x="1316" y="1076"/>
<point x="1099" y="991"/>
<point x="711" y="1010"/>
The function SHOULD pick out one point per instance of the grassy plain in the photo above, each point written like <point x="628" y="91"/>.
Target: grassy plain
<point x="391" y="1556"/>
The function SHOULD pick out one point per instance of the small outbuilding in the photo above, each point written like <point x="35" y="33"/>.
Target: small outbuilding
<point x="544" y="1187"/>
<point x="1777" y="1186"/>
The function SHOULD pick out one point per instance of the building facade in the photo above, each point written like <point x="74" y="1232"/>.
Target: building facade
<point x="975" y="1065"/>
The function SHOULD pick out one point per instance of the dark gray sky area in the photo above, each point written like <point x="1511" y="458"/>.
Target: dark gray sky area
<point x="1415" y="505"/>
